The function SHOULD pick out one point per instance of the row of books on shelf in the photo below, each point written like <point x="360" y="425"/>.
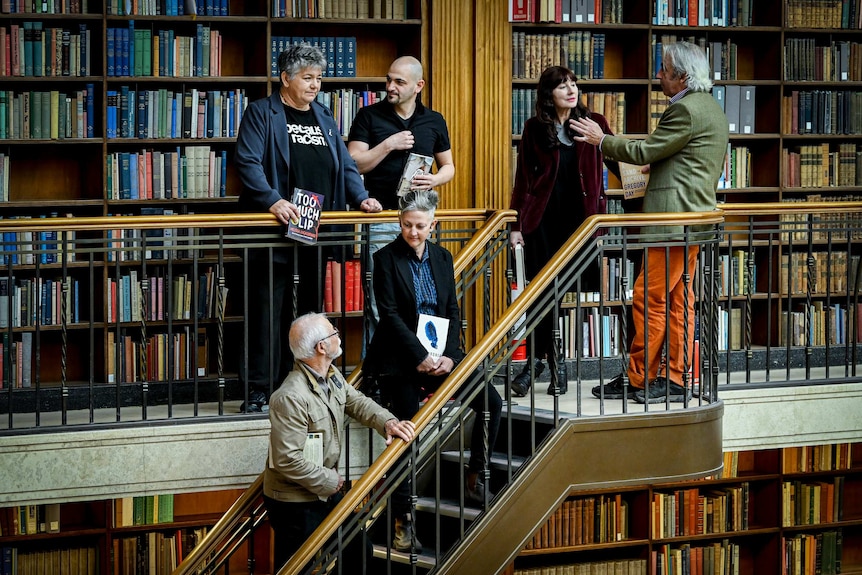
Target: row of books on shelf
<point x="821" y="226"/>
<point x="584" y="521"/>
<point x="340" y="53"/>
<point x="156" y="298"/>
<point x="346" y="102"/>
<point x="167" y="7"/>
<point x="29" y="50"/>
<point x="804" y="60"/>
<point x="815" y="458"/>
<point x="27" y="302"/>
<point x="719" y="558"/>
<point x="817" y="324"/>
<point x="737" y="168"/>
<point x="43" y="7"/>
<point x="702" y="12"/>
<point x="658" y="102"/>
<point x="144" y="510"/>
<point x="812" y="503"/>
<point x="347" y="9"/>
<point x="822" y="112"/>
<point x="822" y="166"/>
<point x="611" y="567"/>
<point x="146" y="52"/>
<point x="738" y="105"/>
<point x="156" y="552"/>
<point x="568" y="11"/>
<point x="199" y="172"/>
<point x="127" y="245"/>
<point x="812" y="554"/>
<point x="612" y="105"/>
<point x="53" y="115"/>
<point x="65" y="561"/>
<point x="580" y="51"/>
<point x="30" y="519"/>
<point x="162" y="357"/>
<point x="694" y="511"/>
<point x="16" y="361"/>
<point x="819" y="272"/>
<point x="592" y="334"/>
<point x="737" y="273"/>
<point x="163" y="113"/>
<point x="342" y="287"/>
<point x="721" y="55"/>
<point x="31" y="247"/>
<point x="844" y="14"/>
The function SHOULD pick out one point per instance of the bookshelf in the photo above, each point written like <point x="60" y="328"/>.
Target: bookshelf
<point x="103" y="537"/>
<point x="799" y="141"/>
<point x="113" y="108"/>
<point x="748" y="520"/>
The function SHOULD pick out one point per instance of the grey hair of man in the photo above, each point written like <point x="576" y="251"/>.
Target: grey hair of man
<point x="306" y="332"/>
<point x="419" y="201"/>
<point x="300" y="57"/>
<point x="688" y="59"/>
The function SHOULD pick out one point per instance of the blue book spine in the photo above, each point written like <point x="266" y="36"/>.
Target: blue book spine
<point x="223" y="8"/>
<point x="111" y="49"/>
<point x="125" y="177"/>
<point x="273" y="57"/>
<point x="350" y="58"/>
<point x="111" y="114"/>
<point x="83" y="53"/>
<point x="89" y="101"/>
<point x="330" y="56"/>
<point x="222" y="192"/>
<point x="174" y="117"/>
<point x="38" y="56"/>
<point x="128" y="49"/>
<point x="133" y="176"/>
<point x="124" y="112"/>
<point x="231" y="120"/>
<point x="340" y="56"/>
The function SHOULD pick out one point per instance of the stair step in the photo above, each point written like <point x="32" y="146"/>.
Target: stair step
<point x="498" y="460"/>
<point x="423" y="560"/>
<point x="448" y="508"/>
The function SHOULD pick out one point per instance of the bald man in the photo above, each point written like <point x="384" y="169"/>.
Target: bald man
<point x="382" y="137"/>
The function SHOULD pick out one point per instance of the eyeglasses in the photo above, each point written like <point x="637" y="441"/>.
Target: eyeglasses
<point x="330" y="335"/>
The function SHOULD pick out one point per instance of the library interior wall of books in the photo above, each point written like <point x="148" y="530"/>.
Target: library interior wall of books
<point x="93" y="91"/>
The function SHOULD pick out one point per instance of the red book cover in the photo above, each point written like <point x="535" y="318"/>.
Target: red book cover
<point x="358" y="299"/>
<point x="521" y="11"/>
<point x="692" y="12"/>
<point x="304" y="229"/>
<point x="349" y="304"/>
<point x="337" y="286"/>
<point x="558" y="11"/>
<point x="327" y="287"/>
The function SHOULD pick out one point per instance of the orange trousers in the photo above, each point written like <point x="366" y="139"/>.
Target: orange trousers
<point x="665" y="305"/>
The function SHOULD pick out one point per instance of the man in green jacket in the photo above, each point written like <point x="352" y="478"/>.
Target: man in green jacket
<point x="685" y="155"/>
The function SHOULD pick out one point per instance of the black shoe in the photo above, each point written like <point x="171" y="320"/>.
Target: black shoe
<point x="257" y="402"/>
<point x="520" y="384"/>
<point x="614" y="389"/>
<point x="562" y="380"/>
<point x="661" y="390"/>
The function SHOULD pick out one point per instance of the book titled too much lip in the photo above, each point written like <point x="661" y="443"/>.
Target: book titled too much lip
<point x="310" y="205"/>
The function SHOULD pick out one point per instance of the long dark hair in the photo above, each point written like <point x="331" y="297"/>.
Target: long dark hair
<point x="545" y="110"/>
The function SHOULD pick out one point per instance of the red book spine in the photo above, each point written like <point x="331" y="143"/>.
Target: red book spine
<point x="349" y="304"/>
<point x="358" y="300"/>
<point x="337" y="286"/>
<point x="327" y="288"/>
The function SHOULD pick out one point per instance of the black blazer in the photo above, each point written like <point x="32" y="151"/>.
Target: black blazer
<point x="395" y="349"/>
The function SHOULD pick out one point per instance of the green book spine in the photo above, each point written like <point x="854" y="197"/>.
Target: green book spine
<point x="138" y="510"/>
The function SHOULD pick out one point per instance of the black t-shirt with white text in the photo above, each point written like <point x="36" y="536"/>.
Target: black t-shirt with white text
<point x="311" y="165"/>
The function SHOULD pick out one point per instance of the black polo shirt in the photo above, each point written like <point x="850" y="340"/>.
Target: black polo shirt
<point x="375" y="123"/>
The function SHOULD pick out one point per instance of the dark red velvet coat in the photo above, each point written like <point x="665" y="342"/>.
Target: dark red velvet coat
<point x="537" y="172"/>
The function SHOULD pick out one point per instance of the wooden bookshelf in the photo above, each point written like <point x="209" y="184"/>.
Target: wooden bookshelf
<point x="90" y="538"/>
<point x="78" y="171"/>
<point x="742" y="518"/>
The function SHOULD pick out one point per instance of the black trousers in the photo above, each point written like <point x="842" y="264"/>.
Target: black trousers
<point x="405" y="393"/>
<point x="293" y="523"/>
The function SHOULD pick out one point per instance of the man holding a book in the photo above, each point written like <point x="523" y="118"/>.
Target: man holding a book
<point x="396" y="140"/>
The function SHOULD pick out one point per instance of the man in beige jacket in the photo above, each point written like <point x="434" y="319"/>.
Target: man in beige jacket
<point x="308" y="415"/>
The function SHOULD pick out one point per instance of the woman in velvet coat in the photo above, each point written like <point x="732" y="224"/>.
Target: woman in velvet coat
<point x="558" y="184"/>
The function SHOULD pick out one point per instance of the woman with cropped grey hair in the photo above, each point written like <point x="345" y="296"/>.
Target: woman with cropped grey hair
<point x="288" y="141"/>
